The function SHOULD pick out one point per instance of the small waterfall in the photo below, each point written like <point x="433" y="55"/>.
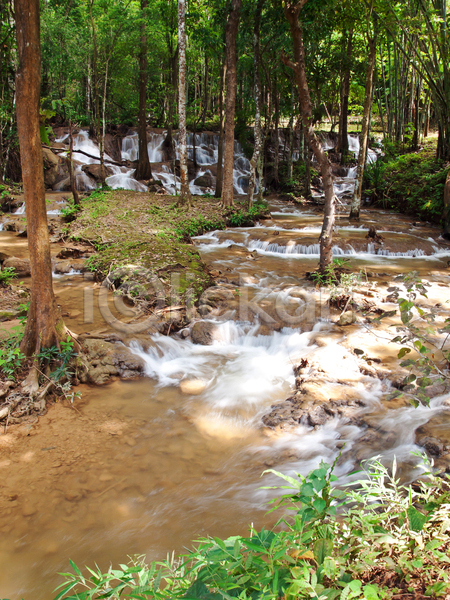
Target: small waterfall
<point x="20" y="210"/>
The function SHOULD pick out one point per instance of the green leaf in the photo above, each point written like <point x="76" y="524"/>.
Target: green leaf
<point x="371" y="592"/>
<point x="403" y="351"/>
<point x="322" y="549"/>
<point x="416" y="519"/>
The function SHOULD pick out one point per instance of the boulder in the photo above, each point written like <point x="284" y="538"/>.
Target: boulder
<point x="94" y="171"/>
<point x="205" y="180"/>
<point x="106" y="360"/>
<point x="203" y="332"/>
<point x="192" y="386"/>
<point x="21" y="265"/>
<point x="347" y="318"/>
<point x="55" y="168"/>
<point x="113" y="147"/>
<point x="8" y="315"/>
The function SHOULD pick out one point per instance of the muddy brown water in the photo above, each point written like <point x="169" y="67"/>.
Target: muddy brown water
<point x="139" y="467"/>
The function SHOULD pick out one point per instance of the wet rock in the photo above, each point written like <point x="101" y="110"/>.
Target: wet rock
<point x="95" y="171"/>
<point x="4" y="256"/>
<point x="55" y="168"/>
<point x="113" y="147"/>
<point x="70" y="252"/>
<point x="347" y="318"/>
<point x="434" y="436"/>
<point x="202" y="333"/>
<point x="105" y="360"/>
<point x="192" y="386"/>
<point x="21" y="265"/>
<point x="205" y="180"/>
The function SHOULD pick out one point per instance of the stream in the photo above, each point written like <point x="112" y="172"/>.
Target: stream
<point x="143" y="467"/>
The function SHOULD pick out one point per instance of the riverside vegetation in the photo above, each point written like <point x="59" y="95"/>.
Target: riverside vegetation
<point x="371" y="539"/>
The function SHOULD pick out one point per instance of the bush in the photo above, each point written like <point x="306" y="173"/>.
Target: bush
<point x="410" y="183"/>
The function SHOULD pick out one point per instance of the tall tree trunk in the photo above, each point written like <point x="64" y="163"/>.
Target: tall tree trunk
<point x="205" y="91"/>
<point x="42" y="323"/>
<point x="144" y="170"/>
<point x="185" y="194"/>
<point x="97" y="127"/>
<point x="230" y="104"/>
<point x="277" y="135"/>
<point x="219" y="179"/>
<point x="73" y="182"/>
<point x="292" y="10"/>
<point x="343" y="118"/>
<point x="356" y="201"/>
<point x="257" y="97"/>
<point x="446" y="216"/>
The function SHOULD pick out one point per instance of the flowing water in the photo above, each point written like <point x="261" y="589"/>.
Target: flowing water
<point x="140" y="467"/>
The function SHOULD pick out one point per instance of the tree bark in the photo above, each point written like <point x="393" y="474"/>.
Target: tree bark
<point x="73" y="182"/>
<point x="97" y="128"/>
<point x="292" y="10"/>
<point x="43" y="319"/>
<point x="230" y="104"/>
<point x="343" y="118"/>
<point x="219" y="179"/>
<point x="257" y="96"/>
<point x="185" y="194"/>
<point x="144" y="170"/>
<point x="356" y="201"/>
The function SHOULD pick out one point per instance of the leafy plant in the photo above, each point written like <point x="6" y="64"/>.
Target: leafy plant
<point x="402" y="531"/>
<point x="69" y="212"/>
<point x="7" y="274"/>
<point x="11" y="359"/>
<point x="428" y="362"/>
<point x="59" y="358"/>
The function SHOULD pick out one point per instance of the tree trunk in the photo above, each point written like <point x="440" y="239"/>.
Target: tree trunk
<point x="185" y="194"/>
<point x="73" y="183"/>
<point x="257" y="97"/>
<point x="277" y="136"/>
<point x="292" y="11"/>
<point x="96" y="95"/>
<point x="230" y="104"/>
<point x="43" y="318"/>
<point x="343" y="118"/>
<point x="219" y="179"/>
<point x="356" y="201"/>
<point x="205" y="91"/>
<point x="144" y="170"/>
<point x="446" y="216"/>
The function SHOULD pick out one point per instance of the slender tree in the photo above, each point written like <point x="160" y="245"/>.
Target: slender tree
<point x="446" y="215"/>
<point x="292" y="10"/>
<point x="44" y="325"/>
<point x="144" y="170"/>
<point x="219" y="179"/>
<point x="230" y="103"/>
<point x="342" y="145"/>
<point x="185" y="194"/>
<point x="257" y="96"/>
<point x="364" y="138"/>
